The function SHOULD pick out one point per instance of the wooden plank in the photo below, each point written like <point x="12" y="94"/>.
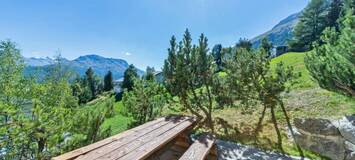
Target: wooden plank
<point x="146" y="149"/>
<point x="75" y="153"/>
<point x="126" y="149"/>
<point x="120" y="148"/>
<point x="121" y="142"/>
<point x="165" y="153"/>
<point x="200" y="148"/>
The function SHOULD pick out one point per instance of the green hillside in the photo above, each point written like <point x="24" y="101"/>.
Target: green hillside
<point x="305" y="99"/>
<point x="296" y="60"/>
<point x="119" y="122"/>
<point x="306" y="94"/>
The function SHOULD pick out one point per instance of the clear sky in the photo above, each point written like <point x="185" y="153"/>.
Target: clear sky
<point x="135" y="30"/>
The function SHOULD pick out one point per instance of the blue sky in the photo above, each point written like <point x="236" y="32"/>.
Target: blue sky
<point x="135" y="30"/>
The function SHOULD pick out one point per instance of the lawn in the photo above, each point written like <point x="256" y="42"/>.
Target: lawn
<point x="296" y="60"/>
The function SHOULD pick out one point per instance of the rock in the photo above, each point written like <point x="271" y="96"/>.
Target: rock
<point x="326" y="146"/>
<point x="349" y="146"/>
<point x="317" y="126"/>
<point x="231" y="151"/>
<point x="320" y="136"/>
<point x="350" y="156"/>
<point x="346" y="127"/>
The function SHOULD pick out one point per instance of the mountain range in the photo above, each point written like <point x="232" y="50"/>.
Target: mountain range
<point x="280" y="33"/>
<point x="99" y="64"/>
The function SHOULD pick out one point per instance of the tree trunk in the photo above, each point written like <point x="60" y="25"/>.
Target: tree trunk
<point x="290" y="128"/>
<point x="274" y="121"/>
<point x="260" y="122"/>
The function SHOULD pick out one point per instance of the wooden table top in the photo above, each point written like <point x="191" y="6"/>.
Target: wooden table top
<point x="137" y="143"/>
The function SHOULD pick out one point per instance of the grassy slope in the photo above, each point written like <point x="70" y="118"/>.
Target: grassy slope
<point x="305" y="99"/>
<point x="296" y="60"/>
<point x="119" y="122"/>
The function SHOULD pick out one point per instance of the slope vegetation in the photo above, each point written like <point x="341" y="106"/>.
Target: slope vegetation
<point x="305" y="99"/>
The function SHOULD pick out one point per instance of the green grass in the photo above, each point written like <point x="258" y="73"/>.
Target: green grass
<point x="305" y="99"/>
<point x="118" y="122"/>
<point x="296" y="60"/>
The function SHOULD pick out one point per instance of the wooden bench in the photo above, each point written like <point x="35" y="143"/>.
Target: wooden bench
<point x="203" y="148"/>
<point x="143" y="142"/>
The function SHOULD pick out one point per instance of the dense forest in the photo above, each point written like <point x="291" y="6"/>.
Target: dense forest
<point x="221" y="86"/>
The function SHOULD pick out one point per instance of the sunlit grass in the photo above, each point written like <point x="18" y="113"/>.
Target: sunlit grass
<point x="305" y="99"/>
<point x="296" y="60"/>
<point x="118" y="122"/>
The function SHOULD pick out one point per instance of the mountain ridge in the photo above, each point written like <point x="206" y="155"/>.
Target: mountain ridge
<point x="101" y="65"/>
<point x="280" y="33"/>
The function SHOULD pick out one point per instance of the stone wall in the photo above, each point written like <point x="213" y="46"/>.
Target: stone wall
<point x="334" y="139"/>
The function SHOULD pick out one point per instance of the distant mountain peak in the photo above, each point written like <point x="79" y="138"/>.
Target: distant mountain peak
<point x="96" y="57"/>
<point x="90" y="56"/>
<point x="291" y="18"/>
<point x="280" y="33"/>
<point x="42" y="61"/>
<point x="100" y="65"/>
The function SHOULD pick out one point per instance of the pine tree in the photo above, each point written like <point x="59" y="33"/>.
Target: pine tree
<point x="149" y="74"/>
<point x="251" y="81"/>
<point x="170" y="66"/>
<point x="334" y="13"/>
<point x="244" y="43"/>
<point x="333" y="64"/>
<point x="217" y="55"/>
<point x="310" y="26"/>
<point x="52" y="113"/>
<point x="12" y="97"/>
<point x="90" y="77"/>
<point x="108" y="81"/>
<point x="188" y="69"/>
<point x="128" y="77"/>
<point x="145" y="101"/>
<point x="266" y="45"/>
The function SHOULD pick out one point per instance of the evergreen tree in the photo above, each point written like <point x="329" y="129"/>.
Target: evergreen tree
<point x="267" y="46"/>
<point x="170" y="66"/>
<point x="89" y="129"/>
<point x="310" y="26"/>
<point x="145" y="101"/>
<point x="81" y="90"/>
<point x="188" y="69"/>
<point x="149" y="74"/>
<point x="53" y="106"/>
<point x="90" y="77"/>
<point x="108" y="81"/>
<point x="12" y="97"/>
<point x="99" y="85"/>
<point x="37" y="134"/>
<point x="333" y="64"/>
<point x="244" y="43"/>
<point x="251" y="81"/>
<point x="217" y="55"/>
<point x="334" y="13"/>
<point x="36" y="119"/>
<point x="128" y="77"/>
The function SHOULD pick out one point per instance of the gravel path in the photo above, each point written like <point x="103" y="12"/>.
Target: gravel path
<point x="234" y="151"/>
